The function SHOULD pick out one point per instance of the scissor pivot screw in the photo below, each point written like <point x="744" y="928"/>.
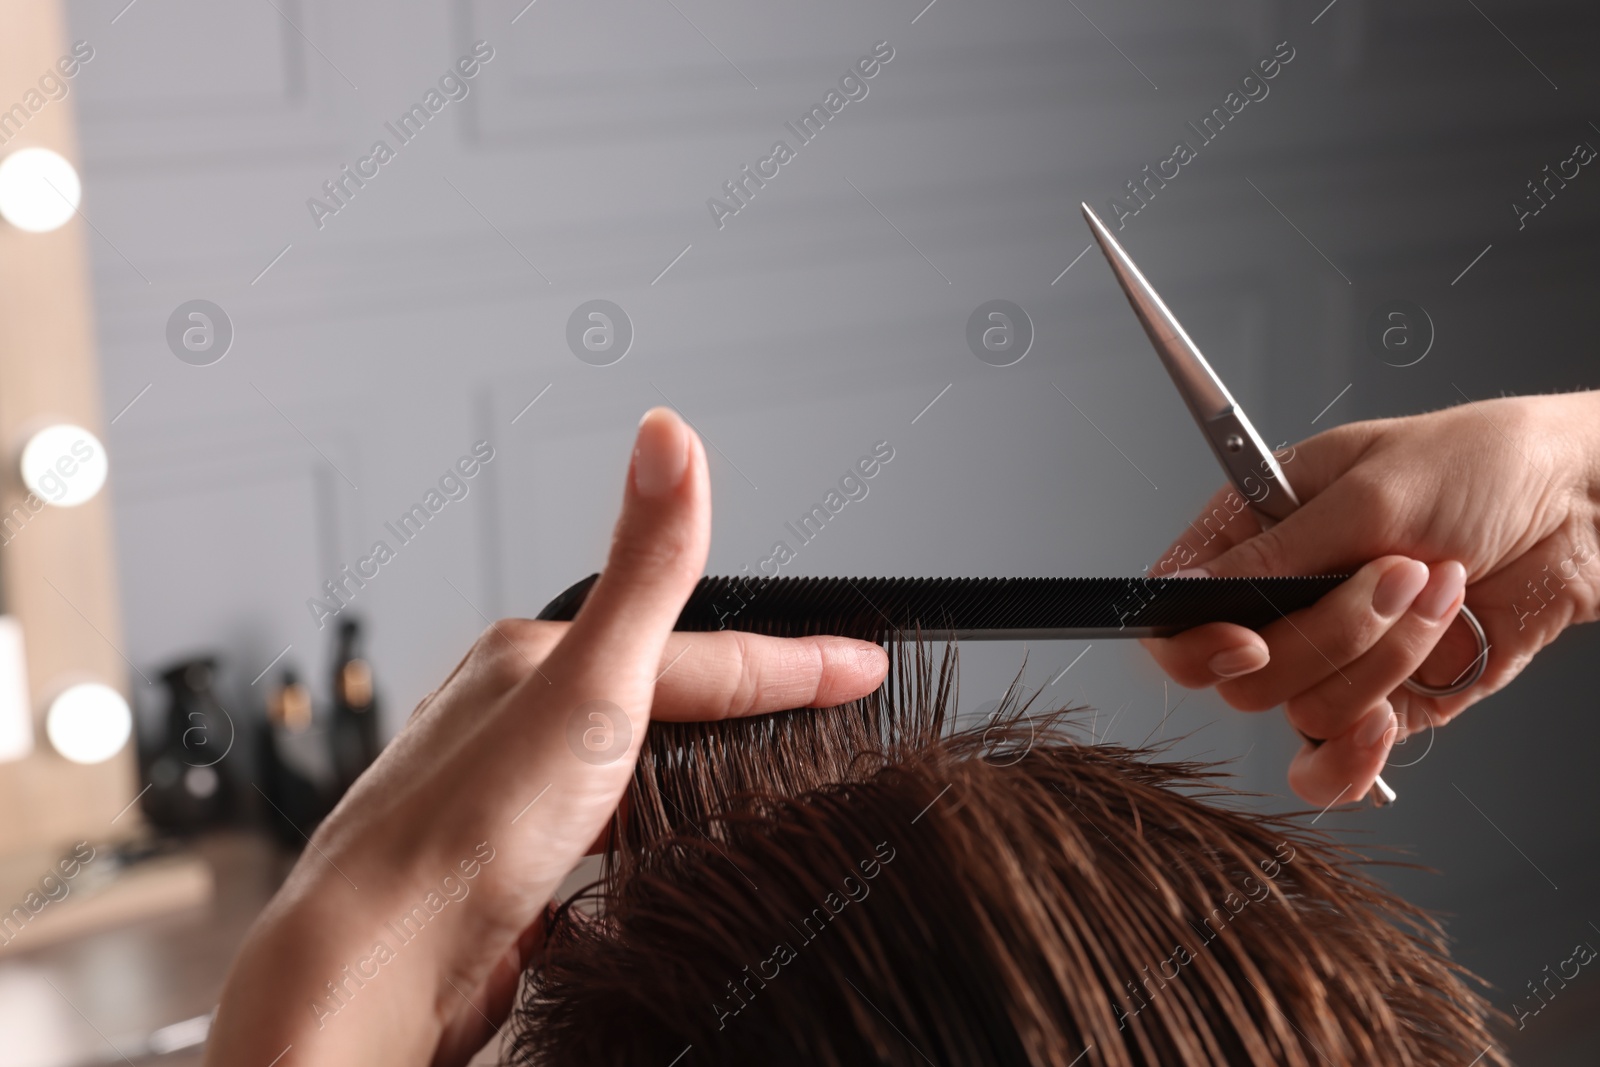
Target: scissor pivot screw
<point x="1233" y="443"/>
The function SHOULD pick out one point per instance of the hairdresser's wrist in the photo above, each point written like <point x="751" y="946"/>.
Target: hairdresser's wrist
<point x="310" y="976"/>
<point x="1585" y="427"/>
<point x="1570" y="422"/>
<point x="1588" y="430"/>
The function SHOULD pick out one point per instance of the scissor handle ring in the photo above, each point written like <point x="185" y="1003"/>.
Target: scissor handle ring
<point x="1469" y="677"/>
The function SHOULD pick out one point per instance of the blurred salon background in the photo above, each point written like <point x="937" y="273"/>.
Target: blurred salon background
<point x="240" y="346"/>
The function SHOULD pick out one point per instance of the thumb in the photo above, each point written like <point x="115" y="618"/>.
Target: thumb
<point x="658" y="553"/>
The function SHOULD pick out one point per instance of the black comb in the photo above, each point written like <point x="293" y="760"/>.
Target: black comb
<point x="967" y="609"/>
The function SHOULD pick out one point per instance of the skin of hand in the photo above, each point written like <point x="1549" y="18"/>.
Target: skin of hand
<point x="1498" y="499"/>
<point x="501" y="773"/>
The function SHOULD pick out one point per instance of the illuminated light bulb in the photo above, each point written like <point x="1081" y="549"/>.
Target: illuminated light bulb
<point x="88" y="723"/>
<point x="39" y="190"/>
<point x="64" y="465"/>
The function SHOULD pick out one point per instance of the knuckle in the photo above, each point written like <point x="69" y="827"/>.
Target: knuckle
<point x="1518" y="422"/>
<point x="746" y="677"/>
<point x="513" y="629"/>
<point x="1265" y="553"/>
<point x="1347" y="434"/>
<point x="1352" y="439"/>
<point x="770" y="673"/>
<point x="1376" y="498"/>
<point x="1354" y="634"/>
<point x="809" y="666"/>
<point x="1251" y="556"/>
<point x="504" y="647"/>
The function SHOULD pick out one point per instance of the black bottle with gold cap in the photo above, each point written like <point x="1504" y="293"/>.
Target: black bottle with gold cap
<point x="354" y="730"/>
<point x="292" y="764"/>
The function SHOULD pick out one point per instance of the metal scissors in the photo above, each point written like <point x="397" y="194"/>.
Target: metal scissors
<point x="1250" y="464"/>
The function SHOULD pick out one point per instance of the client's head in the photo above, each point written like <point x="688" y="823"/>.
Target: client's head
<point x="867" y="885"/>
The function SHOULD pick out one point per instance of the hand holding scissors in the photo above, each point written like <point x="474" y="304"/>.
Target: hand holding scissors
<point x="1491" y="503"/>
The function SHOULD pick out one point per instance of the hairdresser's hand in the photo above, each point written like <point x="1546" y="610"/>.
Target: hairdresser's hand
<point x="400" y="934"/>
<point x="1495" y="499"/>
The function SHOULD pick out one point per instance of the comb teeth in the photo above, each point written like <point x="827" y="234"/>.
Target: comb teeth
<point x="979" y="608"/>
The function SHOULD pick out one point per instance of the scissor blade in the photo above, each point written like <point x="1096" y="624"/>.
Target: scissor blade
<point x="1202" y="390"/>
<point x="1250" y="464"/>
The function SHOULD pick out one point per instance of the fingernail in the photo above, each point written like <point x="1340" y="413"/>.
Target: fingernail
<point x="1233" y="662"/>
<point x="661" y="453"/>
<point x="1192" y="572"/>
<point x="1378" y="722"/>
<point x="1445" y="583"/>
<point x="1398" y="587"/>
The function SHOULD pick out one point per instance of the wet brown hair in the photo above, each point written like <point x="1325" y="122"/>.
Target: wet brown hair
<point x="868" y="884"/>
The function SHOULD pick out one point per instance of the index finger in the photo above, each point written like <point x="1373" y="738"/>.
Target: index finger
<point x="729" y="674"/>
<point x="1227" y="521"/>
